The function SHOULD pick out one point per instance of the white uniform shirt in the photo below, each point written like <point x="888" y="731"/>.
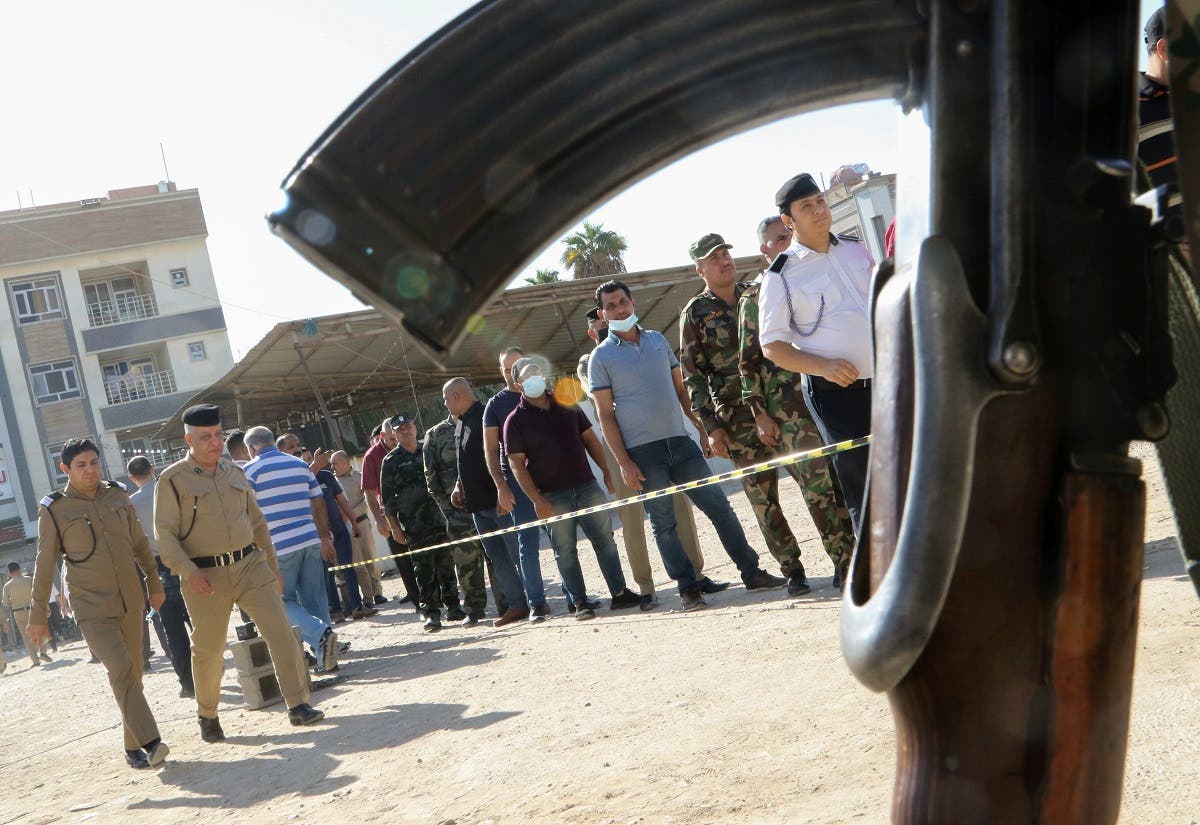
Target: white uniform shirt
<point x="842" y="277"/>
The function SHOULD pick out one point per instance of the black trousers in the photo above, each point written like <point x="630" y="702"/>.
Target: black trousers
<point x="841" y="414"/>
<point x="175" y="621"/>
<point x="407" y="574"/>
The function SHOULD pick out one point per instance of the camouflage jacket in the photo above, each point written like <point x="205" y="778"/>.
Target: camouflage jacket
<point x="765" y="387"/>
<point x="708" y="353"/>
<point x="402" y="491"/>
<point x="441" y="463"/>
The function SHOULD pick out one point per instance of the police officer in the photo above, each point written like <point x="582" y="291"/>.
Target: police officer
<point x="776" y="397"/>
<point x="441" y="474"/>
<point x="212" y="535"/>
<point x="91" y="524"/>
<point x="814" y="311"/>
<point x="17" y="595"/>
<point x="415" y="522"/>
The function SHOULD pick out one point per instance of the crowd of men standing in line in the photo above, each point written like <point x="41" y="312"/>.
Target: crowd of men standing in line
<point x="254" y="520"/>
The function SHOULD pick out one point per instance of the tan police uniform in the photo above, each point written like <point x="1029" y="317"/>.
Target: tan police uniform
<point x="103" y="546"/>
<point x="364" y="544"/>
<point x="209" y="521"/>
<point x="18" y="593"/>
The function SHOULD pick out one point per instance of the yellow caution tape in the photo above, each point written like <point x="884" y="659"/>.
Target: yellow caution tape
<point x="732" y="475"/>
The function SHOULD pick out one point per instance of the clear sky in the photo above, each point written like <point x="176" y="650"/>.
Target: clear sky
<point x="237" y="90"/>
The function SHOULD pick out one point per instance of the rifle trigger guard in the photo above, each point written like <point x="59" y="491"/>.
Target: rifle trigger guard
<point x="884" y="633"/>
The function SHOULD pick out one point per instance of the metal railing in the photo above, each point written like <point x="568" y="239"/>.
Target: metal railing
<point x="121" y="309"/>
<point x="137" y="387"/>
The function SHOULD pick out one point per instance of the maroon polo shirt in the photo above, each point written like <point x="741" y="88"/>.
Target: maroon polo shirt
<point x="552" y="441"/>
<point x="372" y="463"/>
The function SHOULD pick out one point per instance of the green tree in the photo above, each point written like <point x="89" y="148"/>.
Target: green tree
<point x="594" y="251"/>
<point x="544" y="276"/>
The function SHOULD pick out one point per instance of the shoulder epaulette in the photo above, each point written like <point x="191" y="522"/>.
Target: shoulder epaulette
<point x="51" y="498"/>
<point x="116" y="485"/>
<point x="848" y="238"/>
<point x="778" y="264"/>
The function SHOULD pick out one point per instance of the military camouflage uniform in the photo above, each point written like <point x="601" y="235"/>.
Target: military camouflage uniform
<point x="780" y="394"/>
<point x="710" y="353"/>
<point x="441" y="474"/>
<point x="404" y="497"/>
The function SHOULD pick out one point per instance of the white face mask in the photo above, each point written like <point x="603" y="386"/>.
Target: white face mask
<point x="623" y="326"/>
<point x="534" y="386"/>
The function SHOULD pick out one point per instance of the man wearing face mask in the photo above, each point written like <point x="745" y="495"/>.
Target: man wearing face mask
<point x="548" y="448"/>
<point x="641" y="401"/>
<point x="776" y="397"/>
<point x="633" y="516"/>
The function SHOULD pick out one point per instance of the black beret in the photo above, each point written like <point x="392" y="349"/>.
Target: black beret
<point x="203" y="415"/>
<point x="798" y="187"/>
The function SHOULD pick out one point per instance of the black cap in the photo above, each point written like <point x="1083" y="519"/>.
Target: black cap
<point x="798" y="187"/>
<point x="203" y="415"/>
<point x="1156" y="27"/>
<point x="400" y="419"/>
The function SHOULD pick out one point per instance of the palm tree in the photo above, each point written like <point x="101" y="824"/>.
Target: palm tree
<point x="544" y="276"/>
<point x="594" y="252"/>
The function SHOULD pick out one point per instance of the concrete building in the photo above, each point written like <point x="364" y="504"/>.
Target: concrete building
<point x="110" y="321"/>
<point x="864" y="210"/>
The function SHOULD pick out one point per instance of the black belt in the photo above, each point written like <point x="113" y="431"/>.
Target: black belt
<point x="824" y="384"/>
<point x="19" y="609"/>
<point x="363" y="517"/>
<point x="225" y="559"/>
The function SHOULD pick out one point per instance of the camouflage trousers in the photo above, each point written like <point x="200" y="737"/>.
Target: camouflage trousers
<point x="822" y="494"/>
<point x="437" y="588"/>
<point x="471" y="561"/>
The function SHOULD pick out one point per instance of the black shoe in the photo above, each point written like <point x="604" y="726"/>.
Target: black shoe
<point x="471" y="619"/>
<point x="136" y="759"/>
<point x="210" y="729"/>
<point x="626" y="598"/>
<point x="762" y="580"/>
<point x="406" y="599"/>
<point x="798" y="582"/>
<point x="380" y="599"/>
<point x="539" y="614"/>
<point x="156" y="752"/>
<point x="45" y="658"/>
<point x="455" y="614"/>
<point x="648" y="602"/>
<point x="186" y="692"/>
<point x="432" y="623"/>
<point x="343" y="647"/>
<point x="709" y="586"/>
<point x="692" y="600"/>
<point x="304" y="714"/>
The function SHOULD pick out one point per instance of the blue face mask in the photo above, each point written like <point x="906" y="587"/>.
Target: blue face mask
<point x="623" y="326"/>
<point x="534" y="386"/>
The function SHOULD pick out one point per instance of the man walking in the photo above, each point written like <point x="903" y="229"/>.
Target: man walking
<point x="548" y="447"/>
<point x="478" y="494"/>
<point x="17" y="596"/>
<point x="173" y="611"/>
<point x="641" y="401"/>
<point x="212" y="534"/>
<point x="509" y="496"/>
<point x="441" y="476"/>
<point x="782" y="419"/>
<point x="90" y="523"/>
<point x="416" y="522"/>
<point x="293" y="506"/>
<point x="363" y="542"/>
<point x="633" y="516"/>
<point x="814" y="319"/>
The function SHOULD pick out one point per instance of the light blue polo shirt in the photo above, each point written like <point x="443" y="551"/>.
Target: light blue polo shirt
<point x="639" y="375"/>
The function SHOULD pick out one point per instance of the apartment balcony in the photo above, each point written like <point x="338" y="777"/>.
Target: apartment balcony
<point x="148" y="385"/>
<point x="142" y="399"/>
<point x="122" y="309"/>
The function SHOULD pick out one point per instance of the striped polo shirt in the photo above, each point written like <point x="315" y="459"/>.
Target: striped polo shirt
<point x="283" y="485"/>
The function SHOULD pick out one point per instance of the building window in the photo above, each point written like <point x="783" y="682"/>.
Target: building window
<point x="55" y="381"/>
<point x="54" y="454"/>
<point x="37" y="300"/>
<point x="196" y="351"/>
<point x="179" y="278"/>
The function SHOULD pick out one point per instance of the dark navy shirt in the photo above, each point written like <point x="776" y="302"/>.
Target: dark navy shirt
<point x="499" y="408"/>
<point x="331" y="490"/>
<point x="552" y="442"/>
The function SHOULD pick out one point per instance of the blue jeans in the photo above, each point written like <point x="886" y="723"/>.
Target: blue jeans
<point x="502" y="551"/>
<point x="674" y="461"/>
<point x="344" y="546"/>
<point x="528" y="544"/>
<point x="304" y="596"/>
<point x="598" y="529"/>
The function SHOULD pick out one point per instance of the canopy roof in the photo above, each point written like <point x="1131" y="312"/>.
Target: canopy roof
<point x="360" y="359"/>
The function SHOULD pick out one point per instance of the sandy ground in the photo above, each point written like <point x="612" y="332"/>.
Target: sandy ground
<point x="743" y="713"/>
